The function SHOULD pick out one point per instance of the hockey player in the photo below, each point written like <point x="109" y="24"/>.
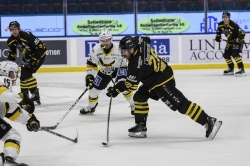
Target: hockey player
<point x="10" y="108"/>
<point x="235" y="39"/>
<point x="107" y="56"/>
<point x="158" y="83"/>
<point x="34" y="52"/>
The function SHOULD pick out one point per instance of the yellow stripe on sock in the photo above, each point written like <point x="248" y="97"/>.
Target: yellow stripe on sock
<point x="189" y="108"/>
<point x="198" y="114"/>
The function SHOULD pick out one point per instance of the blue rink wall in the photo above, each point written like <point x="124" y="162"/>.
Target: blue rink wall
<point x="180" y="51"/>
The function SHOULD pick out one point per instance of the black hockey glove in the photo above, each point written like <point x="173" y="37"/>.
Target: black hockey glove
<point x="32" y="64"/>
<point x="26" y="103"/>
<point x="239" y="41"/>
<point x="89" y="81"/>
<point x="33" y="124"/>
<point x="112" y="91"/>
<point x="218" y="39"/>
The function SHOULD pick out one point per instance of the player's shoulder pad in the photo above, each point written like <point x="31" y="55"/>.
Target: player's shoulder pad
<point x="96" y="48"/>
<point x="116" y="45"/>
<point x="10" y="39"/>
<point x="221" y="23"/>
<point x="26" y="34"/>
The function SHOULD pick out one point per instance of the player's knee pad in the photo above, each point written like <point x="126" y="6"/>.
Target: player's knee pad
<point x="5" y="127"/>
<point x="4" y="108"/>
<point x="173" y="98"/>
<point x="141" y="96"/>
<point x="12" y="142"/>
<point x="93" y="95"/>
<point x="168" y="103"/>
<point x="236" y="55"/>
<point x="25" y="74"/>
<point x="226" y="56"/>
<point x="12" y="134"/>
<point x="94" y="92"/>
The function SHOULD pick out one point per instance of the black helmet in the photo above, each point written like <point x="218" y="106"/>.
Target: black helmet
<point x="14" y="24"/>
<point x="127" y="42"/>
<point x="226" y="13"/>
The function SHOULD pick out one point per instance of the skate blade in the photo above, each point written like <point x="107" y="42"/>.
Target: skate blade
<point x="138" y="134"/>
<point x="228" y="74"/>
<point x="215" y="130"/>
<point x="91" y="113"/>
<point x="240" y="75"/>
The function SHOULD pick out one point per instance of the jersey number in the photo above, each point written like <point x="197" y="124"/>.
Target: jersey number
<point x="7" y="82"/>
<point x="158" y="64"/>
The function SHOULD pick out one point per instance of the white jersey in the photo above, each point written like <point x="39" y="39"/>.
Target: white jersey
<point x="9" y="100"/>
<point x="107" y="62"/>
<point x="6" y="94"/>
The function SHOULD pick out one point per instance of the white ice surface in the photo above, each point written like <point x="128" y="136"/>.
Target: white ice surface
<point x="173" y="139"/>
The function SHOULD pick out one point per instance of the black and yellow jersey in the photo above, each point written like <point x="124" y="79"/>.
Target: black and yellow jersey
<point x="27" y="44"/>
<point x="145" y="66"/>
<point x="232" y="31"/>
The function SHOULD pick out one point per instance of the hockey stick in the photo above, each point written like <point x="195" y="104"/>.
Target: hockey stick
<point x="110" y="102"/>
<point x="62" y="136"/>
<point x="107" y="143"/>
<point x="54" y="127"/>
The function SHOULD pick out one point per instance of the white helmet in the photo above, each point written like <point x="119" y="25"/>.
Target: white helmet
<point x="6" y="67"/>
<point x="105" y="34"/>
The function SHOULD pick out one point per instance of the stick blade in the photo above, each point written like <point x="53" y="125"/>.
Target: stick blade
<point x="76" y="139"/>
<point x="105" y="144"/>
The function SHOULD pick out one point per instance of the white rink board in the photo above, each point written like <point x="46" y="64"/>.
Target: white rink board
<point x="174" y="49"/>
<point x="85" y="45"/>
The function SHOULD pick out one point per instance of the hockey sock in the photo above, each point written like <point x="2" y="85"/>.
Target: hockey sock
<point x="30" y="84"/>
<point x="196" y="113"/>
<point x="92" y="101"/>
<point x="230" y="63"/>
<point x="238" y="60"/>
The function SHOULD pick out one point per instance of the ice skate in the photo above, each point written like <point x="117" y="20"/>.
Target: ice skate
<point x="212" y="127"/>
<point x="35" y="97"/>
<point x="240" y="73"/>
<point x="8" y="161"/>
<point x="138" y="131"/>
<point x="229" y="71"/>
<point x="88" y="110"/>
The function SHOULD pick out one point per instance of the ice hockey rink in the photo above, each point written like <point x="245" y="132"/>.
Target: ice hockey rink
<point x="173" y="139"/>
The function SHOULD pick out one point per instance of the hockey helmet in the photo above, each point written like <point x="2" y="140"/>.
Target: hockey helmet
<point x="105" y="34"/>
<point x="127" y="42"/>
<point x="8" y="67"/>
<point x="14" y="24"/>
<point x="226" y="13"/>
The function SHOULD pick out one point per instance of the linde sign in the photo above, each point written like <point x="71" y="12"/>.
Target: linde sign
<point x="204" y="49"/>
